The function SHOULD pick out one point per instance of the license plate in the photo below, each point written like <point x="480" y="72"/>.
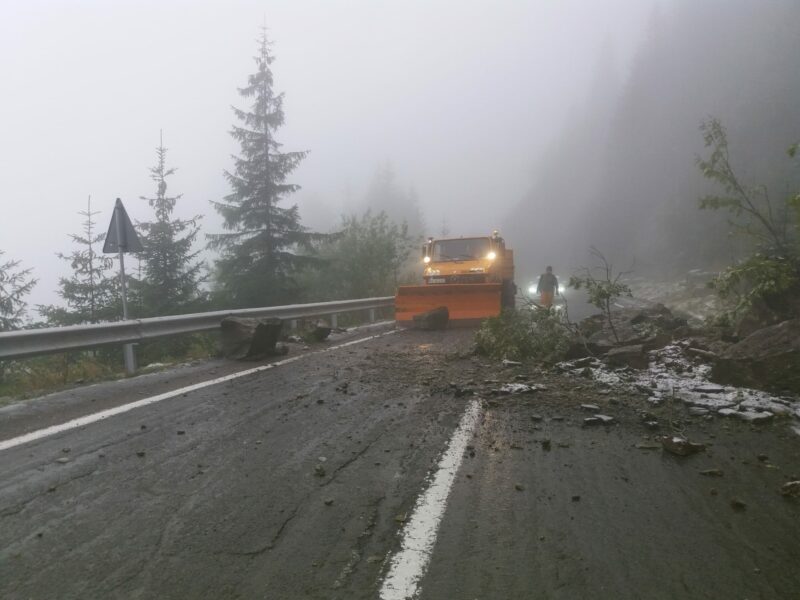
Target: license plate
<point x="436" y="280"/>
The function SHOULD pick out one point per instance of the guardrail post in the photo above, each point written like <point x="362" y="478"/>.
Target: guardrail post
<point x="371" y="315"/>
<point x="129" y="358"/>
<point x="293" y="324"/>
<point x="334" y="321"/>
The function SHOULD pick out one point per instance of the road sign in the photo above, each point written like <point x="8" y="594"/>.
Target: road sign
<point x="121" y="236"/>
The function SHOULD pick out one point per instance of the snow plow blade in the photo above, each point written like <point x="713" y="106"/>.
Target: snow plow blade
<point x="468" y="303"/>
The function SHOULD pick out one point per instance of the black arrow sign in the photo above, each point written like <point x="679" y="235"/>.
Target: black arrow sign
<point x="121" y="236"/>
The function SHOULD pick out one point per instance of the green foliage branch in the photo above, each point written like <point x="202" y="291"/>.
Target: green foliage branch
<point x="773" y="270"/>
<point x="527" y="333"/>
<point x="602" y="286"/>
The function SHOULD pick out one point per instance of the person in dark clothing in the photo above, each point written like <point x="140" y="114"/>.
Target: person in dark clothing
<point x="547" y="288"/>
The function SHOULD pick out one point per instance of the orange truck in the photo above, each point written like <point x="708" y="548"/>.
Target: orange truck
<point x="472" y="276"/>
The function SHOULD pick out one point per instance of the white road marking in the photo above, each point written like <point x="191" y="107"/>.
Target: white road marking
<point x="419" y="534"/>
<point x="105" y="414"/>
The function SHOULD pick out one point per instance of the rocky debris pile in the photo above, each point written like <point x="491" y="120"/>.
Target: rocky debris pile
<point x="675" y="373"/>
<point x="635" y="331"/>
<point x="769" y="358"/>
<point x="690" y="295"/>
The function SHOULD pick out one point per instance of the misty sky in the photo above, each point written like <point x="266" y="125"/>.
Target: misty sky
<point x="462" y="98"/>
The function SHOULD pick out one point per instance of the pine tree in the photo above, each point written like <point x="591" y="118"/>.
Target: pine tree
<point x="259" y="257"/>
<point x="170" y="278"/>
<point x="15" y="284"/>
<point x="91" y="292"/>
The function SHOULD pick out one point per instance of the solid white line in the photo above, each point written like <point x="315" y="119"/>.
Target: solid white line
<point x="105" y="414"/>
<point x="419" y="534"/>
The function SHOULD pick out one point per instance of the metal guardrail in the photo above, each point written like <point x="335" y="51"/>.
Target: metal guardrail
<point x="32" y="342"/>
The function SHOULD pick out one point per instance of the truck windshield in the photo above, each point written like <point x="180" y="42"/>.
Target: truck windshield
<point x="461" y="249"/>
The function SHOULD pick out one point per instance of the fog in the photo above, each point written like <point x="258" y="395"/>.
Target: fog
<point x="564" y="124"/>
<point x="622" y="174"/>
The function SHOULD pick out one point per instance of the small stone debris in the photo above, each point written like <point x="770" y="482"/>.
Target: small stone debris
<point x="141" y="453"/>
<point x="746" y="415"/>
<point x="576" y="498"/>
<point x="471" y="451"/>
<point x="737" y="504"/>
<point x="181" y="432"/>
<point x="590" y="407"/>
<point x="63" y="460"/>
<point x="708" y="389"/>
<point x="712" y="472"/>
<point x="511" y="363"/>
<point x="519" y="487"/>
<point x="66" y="450"/>
<point x="546" y="445"/>
<point x="762" y="457"/>
<point x="648" y="446"/>
<point x="328" y="501"/>
<point x="680" y="446"/>
<point x="697" y="411"/>
<point x="401" y="518"/>
<point x="557" y="418"/>
<point x="374" y="559"/>
<point x="517" y="388"/>
<point x="605" y="419"/>
<point x="791" y="489"/>
<point x="319" y="471"/>
<point x="589" y="421"/>
<point x="143" y="427"/>
<point x="563" y="445"/>
<point x="536" y="417"/>
<point x="651" y="425"/>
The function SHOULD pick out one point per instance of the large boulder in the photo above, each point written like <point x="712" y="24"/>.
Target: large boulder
<point x="250" y="339"/>
<point x="764" y="312"/>
<point x="628" y="356"/>
<point x="432" y="319"/>
<point x="767" y="359"/>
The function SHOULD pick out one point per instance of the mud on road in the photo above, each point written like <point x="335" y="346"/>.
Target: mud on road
<point x="296" y="483"/>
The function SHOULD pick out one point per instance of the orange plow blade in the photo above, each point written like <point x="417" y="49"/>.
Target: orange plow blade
<point x="467" y="303"/>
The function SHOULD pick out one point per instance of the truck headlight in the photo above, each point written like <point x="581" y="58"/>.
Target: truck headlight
<point x="492" y="255"/>
<point x="426" y="260"/>
<point x="532" y="289"/>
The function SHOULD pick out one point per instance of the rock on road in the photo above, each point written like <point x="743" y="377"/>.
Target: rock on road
<point x="296" y="482"/>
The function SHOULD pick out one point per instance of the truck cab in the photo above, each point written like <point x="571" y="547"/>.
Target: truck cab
<point x="467" y="260"/>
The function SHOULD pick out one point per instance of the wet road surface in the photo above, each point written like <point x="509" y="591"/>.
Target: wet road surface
<point x="300" y="482"/>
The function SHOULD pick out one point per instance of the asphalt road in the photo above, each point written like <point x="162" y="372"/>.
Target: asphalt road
<point x="300" y="481"/>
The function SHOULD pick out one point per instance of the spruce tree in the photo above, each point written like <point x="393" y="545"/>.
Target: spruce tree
<point x="170" y="274"/>
<point x="91" y="292"/>
<point x="15" y="284"/>
<point x="259" y="257"/>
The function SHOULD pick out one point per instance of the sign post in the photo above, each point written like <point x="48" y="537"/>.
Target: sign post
<point x="122" y="238"/>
